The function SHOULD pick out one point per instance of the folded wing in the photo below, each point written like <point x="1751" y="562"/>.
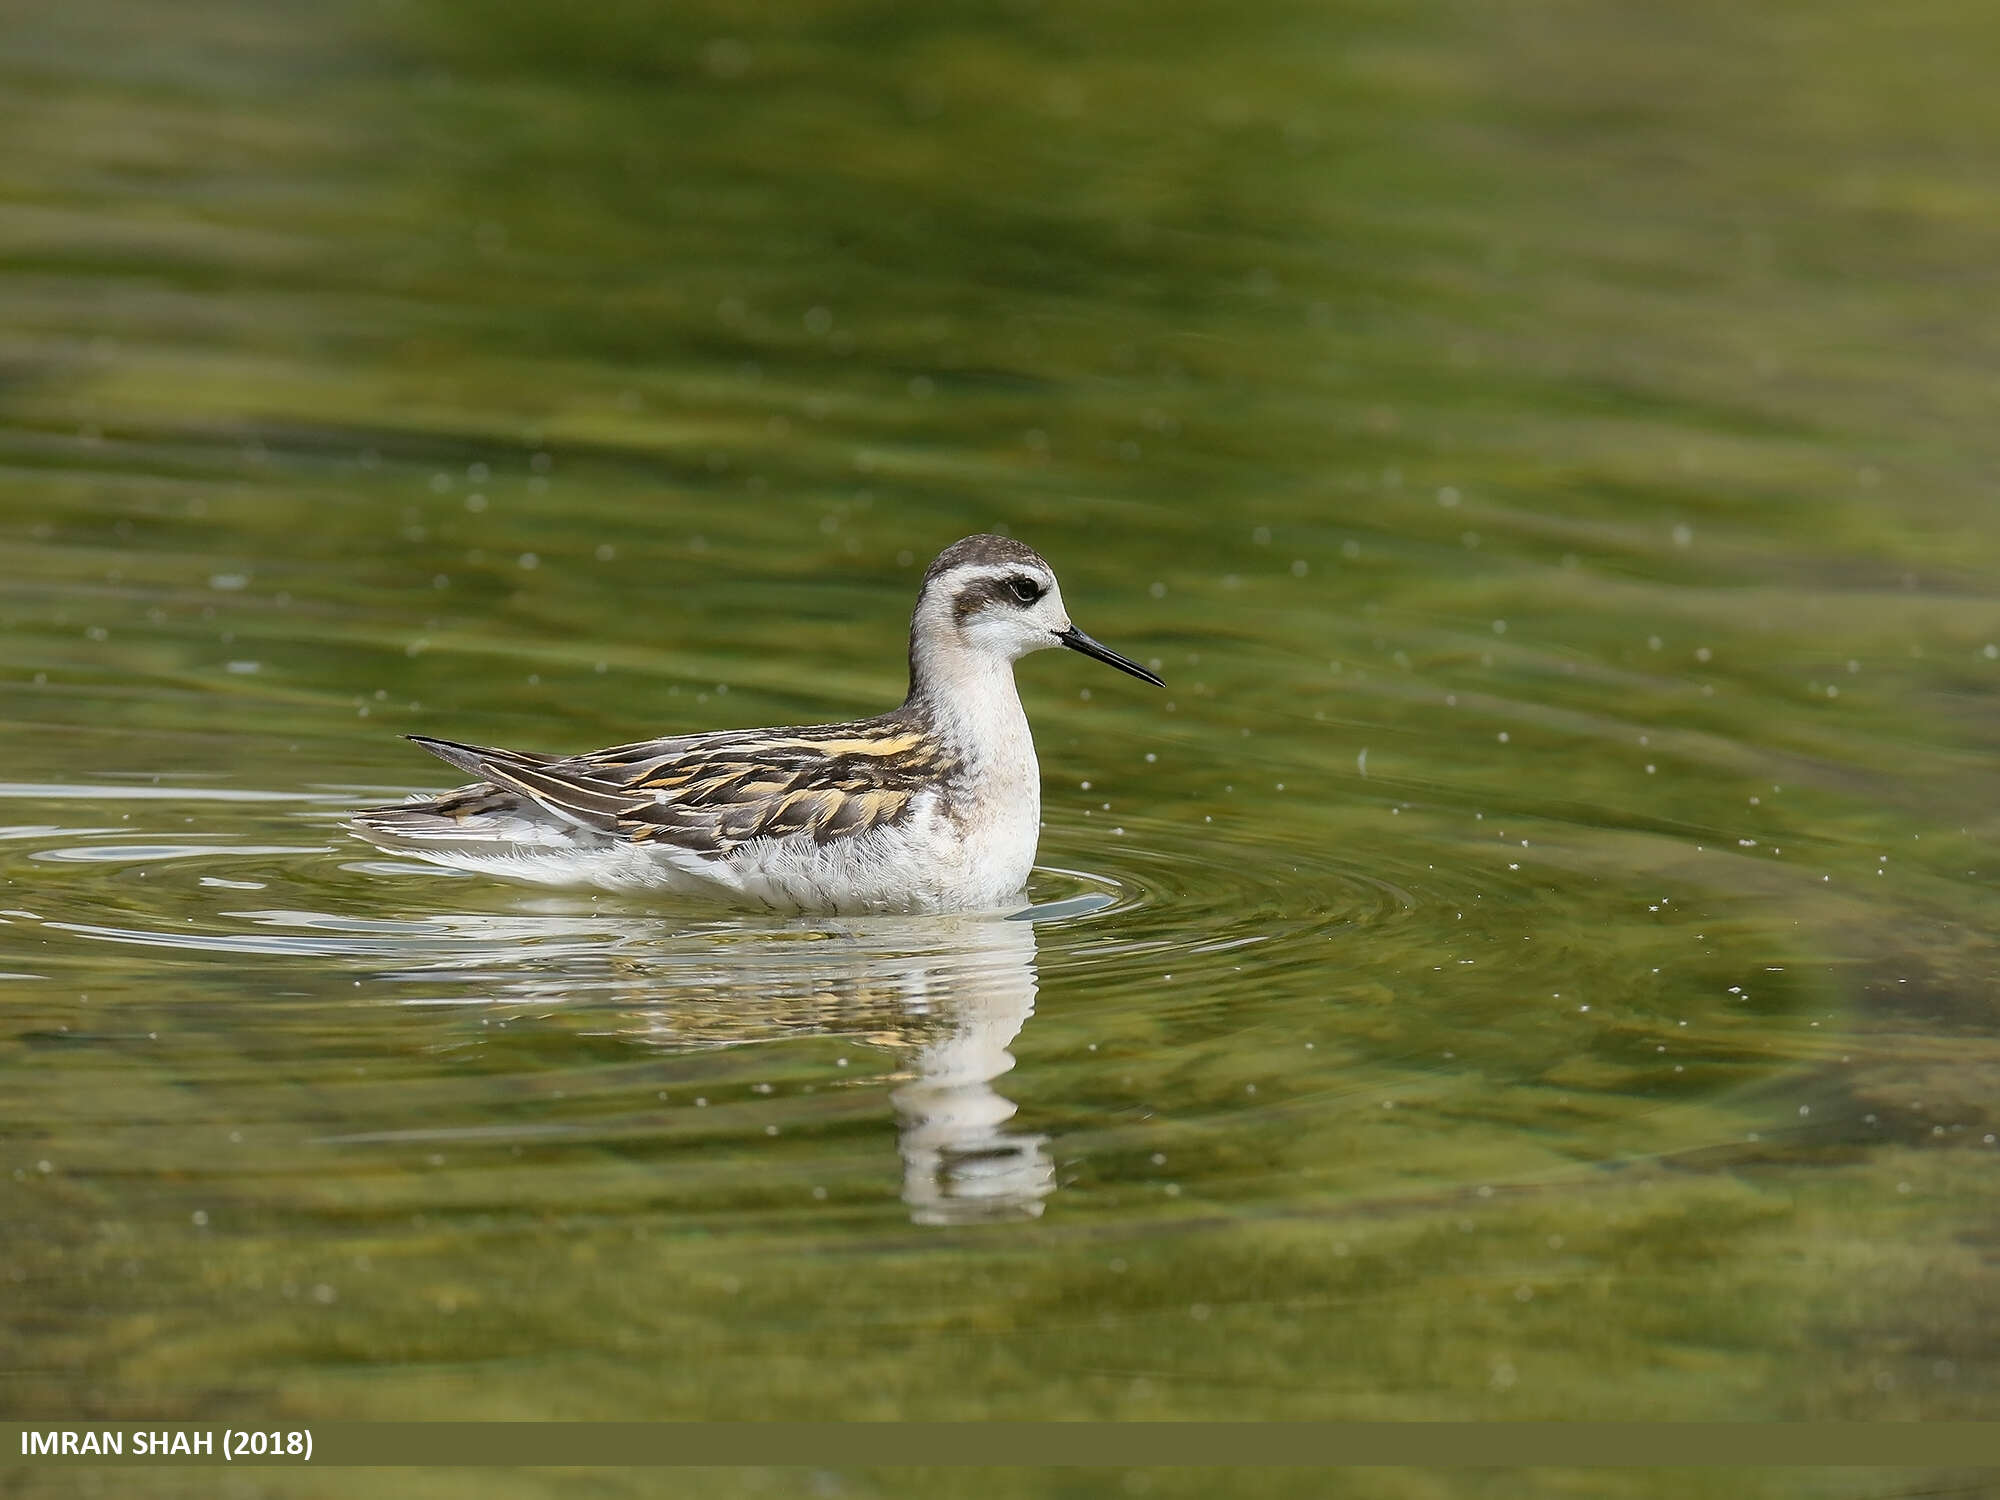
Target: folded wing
<point x="710" y="794"/>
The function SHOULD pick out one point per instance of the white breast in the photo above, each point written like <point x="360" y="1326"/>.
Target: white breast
<point x="988" y="832"/>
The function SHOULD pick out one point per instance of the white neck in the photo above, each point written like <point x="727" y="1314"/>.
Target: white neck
<point x="991" y="805"/>
<point x="971" y="702"/>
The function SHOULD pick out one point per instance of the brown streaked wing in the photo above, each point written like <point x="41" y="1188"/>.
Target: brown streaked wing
<point x="711" y="793"/>
<point x="578" y="799"/>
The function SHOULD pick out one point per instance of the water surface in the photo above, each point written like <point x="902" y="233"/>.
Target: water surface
<point x="1534" y="961"/>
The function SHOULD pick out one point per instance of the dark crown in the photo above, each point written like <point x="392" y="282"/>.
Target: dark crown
<point x="982" y="551"/>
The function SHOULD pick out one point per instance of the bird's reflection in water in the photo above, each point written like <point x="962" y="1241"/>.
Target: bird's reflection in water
<point x="947" y="995"/>
<point x="960" y="1162"/>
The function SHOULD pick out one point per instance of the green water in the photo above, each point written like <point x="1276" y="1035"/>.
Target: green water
<point x="1536" y="959"/>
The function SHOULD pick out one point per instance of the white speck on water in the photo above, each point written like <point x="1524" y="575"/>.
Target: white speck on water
<point x="1503" y="736"/>
<point x="242" y="668"/>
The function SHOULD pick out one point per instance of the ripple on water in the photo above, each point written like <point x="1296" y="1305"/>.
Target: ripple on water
<point x="1426" y="998"/>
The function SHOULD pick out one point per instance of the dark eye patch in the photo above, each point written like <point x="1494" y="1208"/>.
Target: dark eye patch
<point x="1015" y="592"/>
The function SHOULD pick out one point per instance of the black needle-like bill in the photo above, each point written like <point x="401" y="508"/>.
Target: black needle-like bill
<point x="1076" y="640"/>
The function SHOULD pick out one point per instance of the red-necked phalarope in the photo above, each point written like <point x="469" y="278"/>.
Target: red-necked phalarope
<point x="933" y="806"/>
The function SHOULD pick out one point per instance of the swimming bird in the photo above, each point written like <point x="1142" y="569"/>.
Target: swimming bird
<point x="932" y="806"/>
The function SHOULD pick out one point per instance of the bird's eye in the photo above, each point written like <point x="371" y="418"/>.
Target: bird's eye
<point x="1025" y="589"/>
